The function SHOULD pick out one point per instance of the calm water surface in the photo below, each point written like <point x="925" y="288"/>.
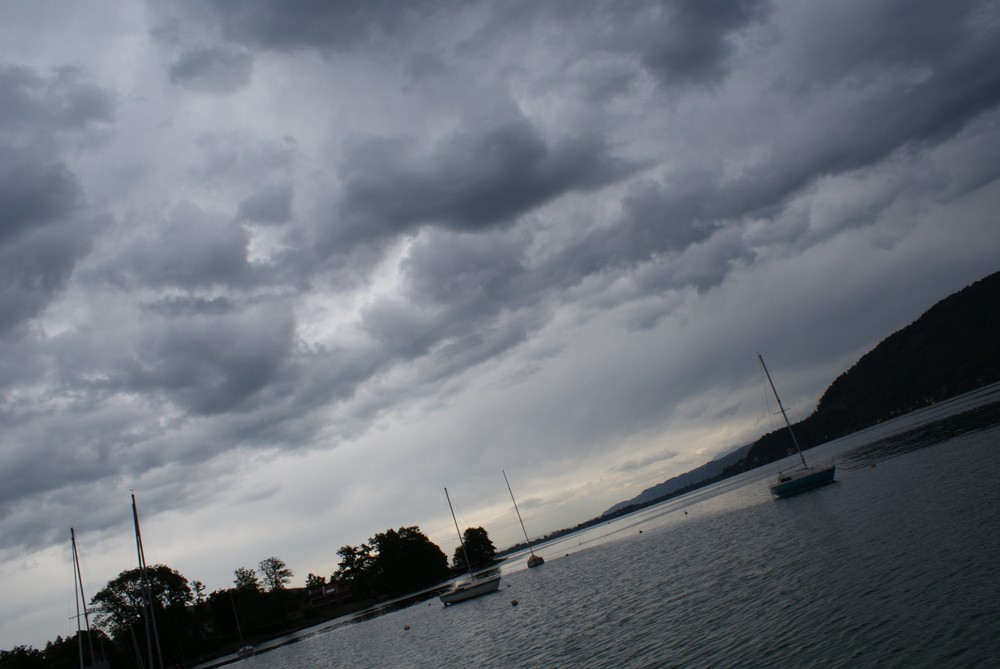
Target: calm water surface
<point x="897" y="564"/>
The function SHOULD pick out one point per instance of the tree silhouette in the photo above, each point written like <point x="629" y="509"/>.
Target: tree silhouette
<point x="246" y="579"/>
<point x="275" y="573"/>
<point x="198" y="588"/>
<point x="357" y="568"/>
<point x="393" y="562"/>
<point x="478" y="547"/>
<point x="119" y="607"/>
<point x="407" y="560"/>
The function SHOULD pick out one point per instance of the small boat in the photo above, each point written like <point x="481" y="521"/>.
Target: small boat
<point x="246" y="650"/>
<point x="802" y="476"/>
<point x="475" y="587"/>
<point x="478" y="584"/>
<point x="534" y="560"/>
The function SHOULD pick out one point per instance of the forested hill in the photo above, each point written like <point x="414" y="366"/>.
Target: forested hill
<point x="954" y="347"/>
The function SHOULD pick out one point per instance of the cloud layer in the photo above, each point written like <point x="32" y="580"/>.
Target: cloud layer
<point x="416" y="244"/>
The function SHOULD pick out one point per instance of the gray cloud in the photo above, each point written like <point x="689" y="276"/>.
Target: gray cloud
<point x="33" y="194"/>
<point x="536" y="231"/>
<point x="212" y="70"/>
<point x="690" y="41"/>
<point x="211" y="365"/>
<point x="44" y="227"/>
<point x="32" y="106"/>
<point x="274" y="24"/>
<point x="272" y="204"/>
<point x="189" y="250"/>
<point x="472" y="180"/>
<point x="232" y="156"/>
<point x="859" y="40"/>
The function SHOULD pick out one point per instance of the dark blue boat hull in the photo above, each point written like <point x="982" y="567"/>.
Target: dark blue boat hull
<point x="800" y="483"/>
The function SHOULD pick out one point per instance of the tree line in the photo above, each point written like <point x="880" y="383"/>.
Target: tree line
<point x="186" y="624"/>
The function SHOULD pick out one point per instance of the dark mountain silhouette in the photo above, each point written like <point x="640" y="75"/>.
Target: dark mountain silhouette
<point x="709" y="470"/>
<point x="954" y="347"/>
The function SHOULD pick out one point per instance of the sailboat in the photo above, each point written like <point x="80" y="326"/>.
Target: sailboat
<point x="534" y="560"/>
<point x="478" y="584"/>
<point x="246" y="650"/>
<point x="799" y="477"/>
<point x="81" y="597"/>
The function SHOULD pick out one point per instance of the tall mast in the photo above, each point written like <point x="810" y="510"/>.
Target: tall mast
<point x="76" y="595"/>
<point x="152" y="637"/>
<point x="526" y="539"/>
<point x="784" y="414"/>
<point x="78" y="589"/>
<point x="462" y="543"/>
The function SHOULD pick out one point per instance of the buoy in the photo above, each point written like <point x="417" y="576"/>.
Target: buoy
<point x="513" y="602"/>
<point x="406" y="627"/>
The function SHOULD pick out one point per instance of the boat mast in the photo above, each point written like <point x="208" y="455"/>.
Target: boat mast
<point x="784" y="413"/>
<point x="239" y="630"/>
<point x="76" y="596"/>
<point x="462" y="543"/>
<point x="152" y="637"/>
<point x="80" y="596"/>
<point x="526" y="539"/>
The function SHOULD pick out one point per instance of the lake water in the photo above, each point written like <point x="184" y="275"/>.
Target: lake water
<point x="897" y="564"/>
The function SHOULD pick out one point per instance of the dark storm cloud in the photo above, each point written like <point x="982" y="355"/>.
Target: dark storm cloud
<point x="908" y="114"/>
<point x="861" y="38"/>
<point x="33" y="193"/>
<point x="240" y="158"/>
<point x="293" y="24"/>
<point x="860" y="128"/>
<point x="36" y="267"/>
<point x="472" y="180"/>
<point x="689" y="41"/>
<point x="272" y="204"/>
<point x="212" y="70"/>
<point x="448" y="268"/>
<point x="188" y="250"/>
<point x="172" y="307"/>
<point x="44" y="228"/>
<point x="32" y="106"/>
<point x="209" y="365"/>
<point x="456" y="284"/>
<point x="658" y="218"/>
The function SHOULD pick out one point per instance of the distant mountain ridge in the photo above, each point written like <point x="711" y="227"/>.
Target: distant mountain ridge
<point x="954" y="347"/>
<point x="695" y="476"/>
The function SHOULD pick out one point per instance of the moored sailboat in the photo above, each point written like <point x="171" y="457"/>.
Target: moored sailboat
<point x="803" y="476"/>
<point x="477" y="584"/>
<point x="534" y="560"/>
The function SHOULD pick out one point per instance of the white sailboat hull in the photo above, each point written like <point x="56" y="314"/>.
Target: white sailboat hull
<point x="471" y="589"/>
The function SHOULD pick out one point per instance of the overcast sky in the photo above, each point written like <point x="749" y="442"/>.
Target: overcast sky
<point x="287" y="268"/>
